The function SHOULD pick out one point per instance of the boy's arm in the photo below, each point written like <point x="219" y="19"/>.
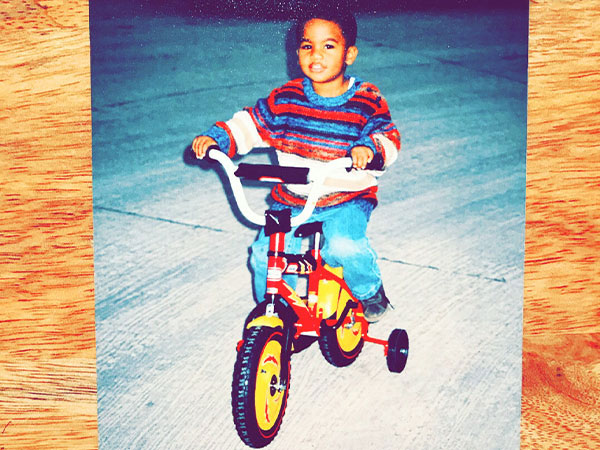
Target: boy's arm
<point x="236" y="136"/>
<point x="380" y="134"/>
<point x="249" y="128"/>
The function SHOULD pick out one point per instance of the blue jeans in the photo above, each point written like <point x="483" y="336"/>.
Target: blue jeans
<point x="345" y="244"/>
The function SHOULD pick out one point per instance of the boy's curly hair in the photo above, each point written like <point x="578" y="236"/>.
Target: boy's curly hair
<point x="335" y="12"/>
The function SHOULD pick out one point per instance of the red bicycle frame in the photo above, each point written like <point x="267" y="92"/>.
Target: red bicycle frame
<point x="309" y="318"/>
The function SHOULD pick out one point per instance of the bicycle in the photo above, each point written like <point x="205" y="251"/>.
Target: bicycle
<point x="285" y="321"/>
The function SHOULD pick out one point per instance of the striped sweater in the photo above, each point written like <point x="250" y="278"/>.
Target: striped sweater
<point x="308" y="130"/>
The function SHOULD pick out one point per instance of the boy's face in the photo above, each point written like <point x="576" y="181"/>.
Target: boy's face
<point x="323" y="55"/>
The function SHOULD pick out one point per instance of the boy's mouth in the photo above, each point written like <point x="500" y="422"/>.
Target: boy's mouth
<point x="317" y="67"/>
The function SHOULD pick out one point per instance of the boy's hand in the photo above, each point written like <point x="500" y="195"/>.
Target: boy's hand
<point x="200" y="145"/>
<point x="361" y="156"/>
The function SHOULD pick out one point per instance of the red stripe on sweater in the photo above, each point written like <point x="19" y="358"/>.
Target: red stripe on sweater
<point x="293" y="86"/>
<point x="368" y="100"/>
<point x="339" y="116"/>
<point x="282" y="195"/>
<point x="232" y="145"/>
<point x="260" y="122"/>
<point x="315" y="139"/>
<point x="305" y="150"/>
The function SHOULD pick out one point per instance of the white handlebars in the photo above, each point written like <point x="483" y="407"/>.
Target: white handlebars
<point x="316" y="177"/>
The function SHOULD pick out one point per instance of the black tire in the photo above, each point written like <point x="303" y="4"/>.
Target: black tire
<point x="341" y="347"/>
<point x="397" y="350"/>
<point x="261" y="375"/>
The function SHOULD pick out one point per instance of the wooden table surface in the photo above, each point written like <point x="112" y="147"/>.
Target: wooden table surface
<point x="561" y="329"/>
<point x="47" y="340"/>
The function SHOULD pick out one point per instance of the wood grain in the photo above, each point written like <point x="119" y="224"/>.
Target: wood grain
<point x="561" y="348"/>
<point x="47" y="340"/>
<point x="47" y="346"/>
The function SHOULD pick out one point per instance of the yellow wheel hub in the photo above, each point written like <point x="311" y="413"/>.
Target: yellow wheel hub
<point x="269" y="392"/>
<point x="349" y="335"/>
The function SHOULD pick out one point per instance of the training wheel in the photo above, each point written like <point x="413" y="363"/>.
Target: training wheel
<point x="397" y="350"/>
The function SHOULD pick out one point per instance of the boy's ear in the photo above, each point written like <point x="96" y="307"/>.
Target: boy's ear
<point x="351" y="54"/>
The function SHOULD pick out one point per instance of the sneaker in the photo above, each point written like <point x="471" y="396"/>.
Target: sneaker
<point x="375" y="307"/>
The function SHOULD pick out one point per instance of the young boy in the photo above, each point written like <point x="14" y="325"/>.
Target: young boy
<point x="310" y="121"/>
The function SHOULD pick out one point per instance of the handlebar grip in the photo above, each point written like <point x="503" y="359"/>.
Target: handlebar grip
<point x="211" y="148"/>
<point x="376" y="163"/>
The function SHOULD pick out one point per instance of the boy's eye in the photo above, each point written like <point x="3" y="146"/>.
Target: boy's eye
<point x="329" y="46"/>
<point x="305" y="47"/>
